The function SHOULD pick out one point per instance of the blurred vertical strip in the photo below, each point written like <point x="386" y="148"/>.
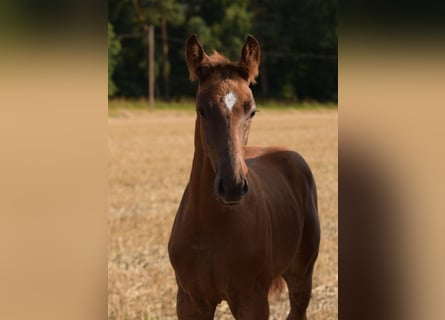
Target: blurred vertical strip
<point x="53" y="164"/>
<point x="392" y="160"/>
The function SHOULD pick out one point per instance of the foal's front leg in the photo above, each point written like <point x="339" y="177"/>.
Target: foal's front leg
<point x="189" y="308"/>
<point x="253" y="306"/>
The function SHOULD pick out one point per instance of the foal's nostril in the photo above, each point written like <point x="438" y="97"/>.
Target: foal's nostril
<point x="245" y="186"/>
<point x="221" y="189"/>
<point x="232" y="192"/>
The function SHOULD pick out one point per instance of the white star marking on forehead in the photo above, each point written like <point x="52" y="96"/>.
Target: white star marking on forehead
<point x="229" y="100"/>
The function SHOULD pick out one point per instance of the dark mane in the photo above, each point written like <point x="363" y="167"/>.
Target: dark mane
<point x="219" y="64"/>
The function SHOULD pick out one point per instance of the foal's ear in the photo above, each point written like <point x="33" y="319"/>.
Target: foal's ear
<point x="194" y="55"/>
<point x="250" y="57"/>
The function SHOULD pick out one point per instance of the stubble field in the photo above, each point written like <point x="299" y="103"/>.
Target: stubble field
<point x="150" y="156"/>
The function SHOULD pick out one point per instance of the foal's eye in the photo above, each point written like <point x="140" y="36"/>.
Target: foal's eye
<point x="252" y="113"/>
<point x="201" y="111"/>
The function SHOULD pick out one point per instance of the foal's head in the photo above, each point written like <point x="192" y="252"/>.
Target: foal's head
<point x="225" y="108"/>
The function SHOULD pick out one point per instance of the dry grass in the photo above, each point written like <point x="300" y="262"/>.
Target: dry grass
<point x="149" y="165"/>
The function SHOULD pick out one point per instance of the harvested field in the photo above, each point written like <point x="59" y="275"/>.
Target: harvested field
<point x="149" y="165"/>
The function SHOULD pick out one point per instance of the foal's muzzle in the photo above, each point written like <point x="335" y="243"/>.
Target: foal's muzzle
<point x="230" y="191"/>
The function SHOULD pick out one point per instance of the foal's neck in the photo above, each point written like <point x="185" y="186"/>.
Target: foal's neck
<point x="202" y="175"/>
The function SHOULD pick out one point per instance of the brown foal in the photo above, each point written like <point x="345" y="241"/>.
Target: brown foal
<point x="248" y="217"/>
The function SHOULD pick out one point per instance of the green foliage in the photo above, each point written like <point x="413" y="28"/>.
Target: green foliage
<point x="298" y="41"/>
<point x="114" y="48"/>
<point x="236" y="23"/>
<point x="199" y="26"/>
<point x="172" y="10"/>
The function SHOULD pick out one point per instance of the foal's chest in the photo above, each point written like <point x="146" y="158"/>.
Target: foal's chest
<point x="212" y="261"/>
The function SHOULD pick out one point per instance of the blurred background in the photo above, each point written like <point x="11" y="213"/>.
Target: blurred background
<point x="150" y="151"/>
<point x="54" y="153"/>
<point x="298" y="41"/>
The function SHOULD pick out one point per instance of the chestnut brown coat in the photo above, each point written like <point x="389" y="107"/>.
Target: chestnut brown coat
<point x="248" y="217"/>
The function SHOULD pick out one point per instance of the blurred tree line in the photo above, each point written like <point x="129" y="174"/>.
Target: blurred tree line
<point x="298" y="41"/>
